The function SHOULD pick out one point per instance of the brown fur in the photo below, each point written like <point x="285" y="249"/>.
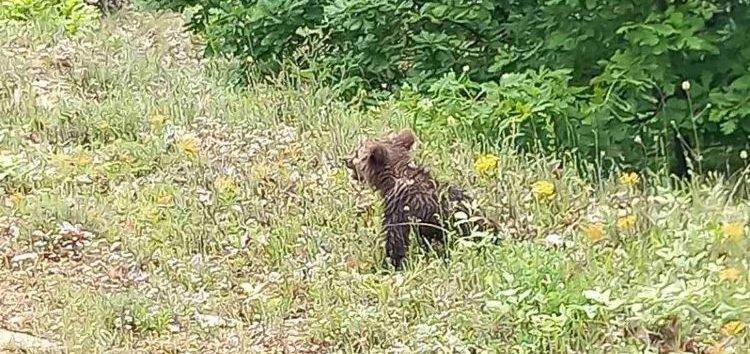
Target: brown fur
<point x="414" y="200"/>
<point x="107" y="6"/>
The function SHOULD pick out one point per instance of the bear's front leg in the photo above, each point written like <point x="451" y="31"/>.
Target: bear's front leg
<point x="396" y="235"/>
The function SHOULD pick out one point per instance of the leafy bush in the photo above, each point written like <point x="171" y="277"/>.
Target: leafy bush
<point x="379" y="42"/>
<point x="641" y="81"/>
<point x="524" y="108"/>
<point x="72" y="14"/>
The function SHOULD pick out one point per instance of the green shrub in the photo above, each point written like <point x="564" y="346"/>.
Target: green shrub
<point x="619" y="67"/>
<point x="72" y="14"/>
<point x="523" y="108"/>
<point x="378" y="42"/>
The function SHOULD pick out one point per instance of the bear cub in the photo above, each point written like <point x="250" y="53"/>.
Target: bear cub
<point x="413" y="199"/>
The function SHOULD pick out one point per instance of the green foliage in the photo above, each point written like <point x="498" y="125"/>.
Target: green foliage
<point x="376" y="43"/>
<point x="73" y="15"/>
<point x="217" y="220"/>
<point x="128" y="313"/>
<point x="525" y="108"/>
<point x="631" y="79"/>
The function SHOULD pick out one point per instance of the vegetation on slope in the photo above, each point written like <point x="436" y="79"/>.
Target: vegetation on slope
<point x="148" y="205"/>
<point x="662" y="85"/>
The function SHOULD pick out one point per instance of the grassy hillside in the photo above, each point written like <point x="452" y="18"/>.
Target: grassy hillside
<point x="148" y="206"/>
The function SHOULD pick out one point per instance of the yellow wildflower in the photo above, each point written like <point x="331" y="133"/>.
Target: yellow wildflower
<point x="733" y="231"/>
<point x="164" y="200"/>
<point x="189" y="145"/>
<point x="486" y="163"/>
<point x="157" y="119"/>
<point x="223" y="183"/>
<point x="630" y="178"/>
<point x="338" y="174"/>
<point x="150" y="213"/>
<point x="626" y="222"/>
<point x="292" y="151"/>
<point x="83" y="159"/>
<point x="729" y="274"/>
<point x="61" y="158"/>
<point x="543" y="189"/>
<point x="732" y="328"/>
<point x="15" y="198"/>
<point x="594" y="232"/>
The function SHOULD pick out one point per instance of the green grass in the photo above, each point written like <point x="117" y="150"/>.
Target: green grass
<point x="206" y="200"/>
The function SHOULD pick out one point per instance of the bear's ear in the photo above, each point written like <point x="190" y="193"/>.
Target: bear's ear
<point x="378" y="154"/>
<point x="406" y="138"/>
